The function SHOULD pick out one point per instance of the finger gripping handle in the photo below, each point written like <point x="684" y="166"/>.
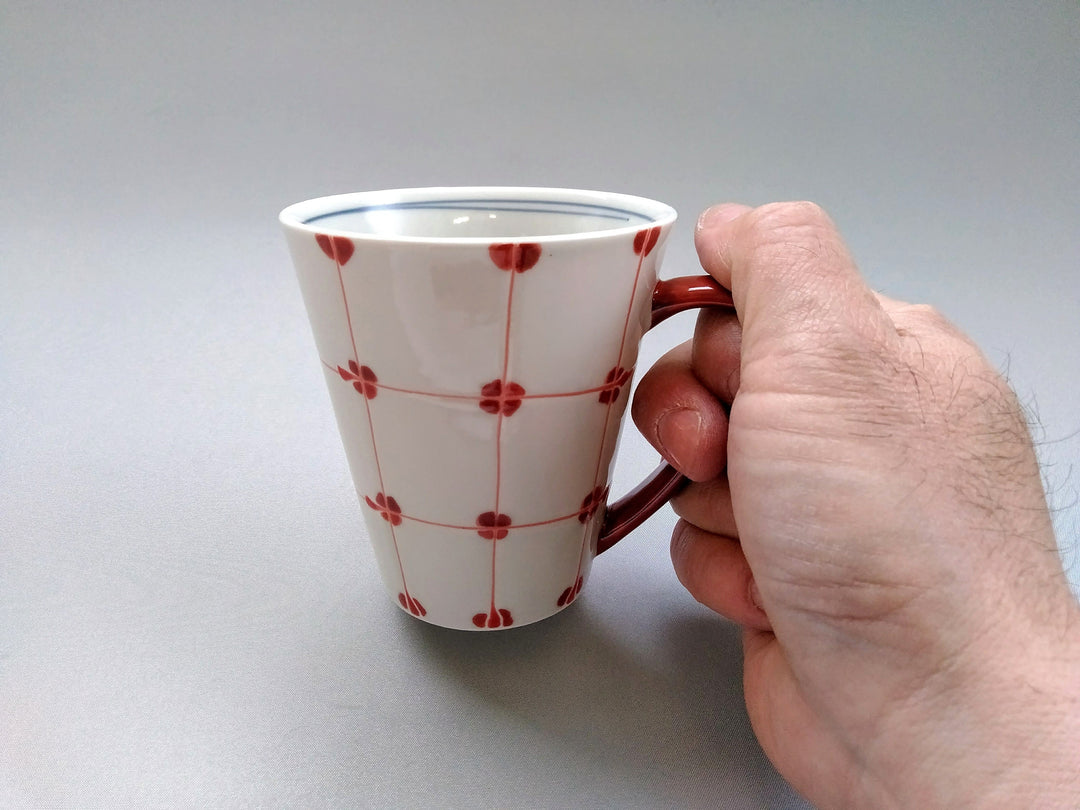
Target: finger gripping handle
<point x="670" y="296"/>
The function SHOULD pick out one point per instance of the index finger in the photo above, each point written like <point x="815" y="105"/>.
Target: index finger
<point x="790" y="274"/>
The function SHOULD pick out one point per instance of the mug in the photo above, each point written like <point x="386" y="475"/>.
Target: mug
<point x="478" y="344"/>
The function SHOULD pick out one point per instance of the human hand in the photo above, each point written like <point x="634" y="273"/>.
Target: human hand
<point x="872" y="514"/>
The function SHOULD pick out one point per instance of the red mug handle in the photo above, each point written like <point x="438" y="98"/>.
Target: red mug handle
<point x="670" y="296"/>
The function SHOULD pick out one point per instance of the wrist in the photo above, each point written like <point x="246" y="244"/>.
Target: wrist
<point x="1047" y="775"/>
<point x="998" y="730"/>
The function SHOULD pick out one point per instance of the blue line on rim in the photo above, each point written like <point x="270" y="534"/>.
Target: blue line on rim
<point x="590" y="209"/>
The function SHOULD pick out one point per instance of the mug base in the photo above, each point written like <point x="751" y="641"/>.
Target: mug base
<point x="486" y="621"/>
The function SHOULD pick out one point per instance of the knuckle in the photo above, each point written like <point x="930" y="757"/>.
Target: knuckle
<point x="790" y="215"/>
<point x="929" y="316"/>
<point x="794" y="232"/>
<point x="925" y="311"/>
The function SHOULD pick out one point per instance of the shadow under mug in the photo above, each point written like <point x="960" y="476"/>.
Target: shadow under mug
<point x="478" y="344"/>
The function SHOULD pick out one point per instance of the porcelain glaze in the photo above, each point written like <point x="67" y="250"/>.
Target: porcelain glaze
<point x="477" y="345"/>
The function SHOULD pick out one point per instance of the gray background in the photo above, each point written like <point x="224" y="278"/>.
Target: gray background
<point x="189" y="614"/>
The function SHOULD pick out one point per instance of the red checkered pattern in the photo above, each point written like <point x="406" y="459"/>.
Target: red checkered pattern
<point x="501" y="398"/>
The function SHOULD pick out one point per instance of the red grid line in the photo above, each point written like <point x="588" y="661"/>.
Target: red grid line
<point x="476" y="397"/>
<point x="473" y="527"/>
<point x="498" y="427"/>
<point x="610" y="405"/>
<point x="409" y="600"/>
<point x="348" y="316"/>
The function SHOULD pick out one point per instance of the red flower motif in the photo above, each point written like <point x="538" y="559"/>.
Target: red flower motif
<point x="569" y="595"/>
<point x="516" y="257"/>
<point x="362" y="378"/>
<point x="338" y="248"/>
<point x="498" y="398"/>
<point x="646" y="240"/>
<point x="593" y="501"/>
<point x="387" y="508"/>
<point x="492" y="526"/>
<point x="496" y="618"/>
<point x="613" y="383"/>
<point x="411" y="604"/>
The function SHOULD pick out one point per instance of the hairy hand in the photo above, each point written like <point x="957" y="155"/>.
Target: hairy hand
<point x="868" y="505"/>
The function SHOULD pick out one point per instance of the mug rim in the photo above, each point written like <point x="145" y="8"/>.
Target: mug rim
<point x="301" y="216"/>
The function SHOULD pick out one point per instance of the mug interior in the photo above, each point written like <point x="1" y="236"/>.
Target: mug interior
<point x="482" y="213"/>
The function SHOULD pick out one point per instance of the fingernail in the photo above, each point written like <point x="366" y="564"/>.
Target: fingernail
<point x="716" y="214"/>
<point x="679" y="432"/>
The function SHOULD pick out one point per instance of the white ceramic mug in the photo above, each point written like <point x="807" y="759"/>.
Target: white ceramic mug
<point x="478" y="345"/>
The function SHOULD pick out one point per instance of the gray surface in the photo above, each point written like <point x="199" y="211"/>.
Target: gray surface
<point x="189" y="615"/>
